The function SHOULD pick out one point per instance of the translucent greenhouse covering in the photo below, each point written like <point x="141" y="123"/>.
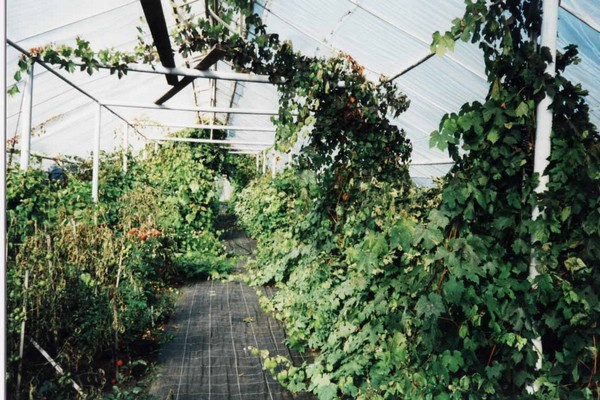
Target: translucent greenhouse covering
<point x="386" y="36"/>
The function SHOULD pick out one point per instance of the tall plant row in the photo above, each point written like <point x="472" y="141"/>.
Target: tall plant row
<point x="403" y="300"/>
<point x="102" y="278"/>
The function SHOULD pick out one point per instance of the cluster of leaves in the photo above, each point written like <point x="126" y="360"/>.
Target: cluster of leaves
<point x="240" y="170"/>
<point x="101" y="276"/>
<point x="280" y="198"/>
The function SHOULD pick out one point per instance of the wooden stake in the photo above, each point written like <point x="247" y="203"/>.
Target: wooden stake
<point x="57" y="367"/>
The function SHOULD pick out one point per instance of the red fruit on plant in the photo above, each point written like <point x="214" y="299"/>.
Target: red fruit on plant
<point x="154" y="233"/>
<point x="113" y="381"/>
<point x="142" y="237"/>
<point x="119" y="363"/>
<point x="132" y="231"/>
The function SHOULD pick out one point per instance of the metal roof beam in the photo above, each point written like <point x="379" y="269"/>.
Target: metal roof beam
<point x="590" y="23"/>
<point x="430" y="163"/>
<point x="158" y="28"/>
<point x="68" y="82"/>
<point x="210" y="59"/>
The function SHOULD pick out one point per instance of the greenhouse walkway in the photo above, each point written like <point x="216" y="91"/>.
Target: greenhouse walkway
<point x="214" y="325"/>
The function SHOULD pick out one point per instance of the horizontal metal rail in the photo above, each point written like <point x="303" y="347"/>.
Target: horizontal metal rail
<point x="211" y="141"/>
<point x="218" y="110"/>
<point x="194" y="73"/>
<point x="208" y="126"/>
<point x="427" y="163"/>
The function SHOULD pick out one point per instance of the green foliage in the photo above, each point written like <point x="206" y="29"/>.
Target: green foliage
<point x="101" y="275"/>
<point x="487" y="205"/>
<point x="408" y="301"/>
<point x="240" y="170"/>
<point x="275" y="207"/>
<point x="338" y="292"/>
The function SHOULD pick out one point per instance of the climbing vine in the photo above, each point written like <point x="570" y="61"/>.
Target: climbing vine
<point x="486" y="209"/>
<point x="453" y="312"/>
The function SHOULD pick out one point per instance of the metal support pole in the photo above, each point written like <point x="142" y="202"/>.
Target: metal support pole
<point x="22" y="341"/>
<point x="125" y="146"/>
<point x="27" y="116"/>
<point x="264" y="162"/>
<point x="542" y="140"/>
<point x="543" y="111"/>
<point x="194" y="73"/>
<point x="213" y="101"/>
<point x="96" y="155"/>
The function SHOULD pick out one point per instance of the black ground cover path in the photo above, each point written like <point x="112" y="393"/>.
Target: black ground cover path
<point x="214" y="325"/>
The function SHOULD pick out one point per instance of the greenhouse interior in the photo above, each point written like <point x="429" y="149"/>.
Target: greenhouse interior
<point x="279" y="199"/>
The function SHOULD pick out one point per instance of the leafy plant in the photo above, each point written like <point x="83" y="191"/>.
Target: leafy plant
<point x="102" y="276"/>
<point x="437" y="302"/>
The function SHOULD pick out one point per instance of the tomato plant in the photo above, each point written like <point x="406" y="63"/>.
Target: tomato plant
<point x="102" y="276"/>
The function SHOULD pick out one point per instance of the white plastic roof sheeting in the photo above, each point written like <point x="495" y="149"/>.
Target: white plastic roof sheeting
<point x="386" y="36"/>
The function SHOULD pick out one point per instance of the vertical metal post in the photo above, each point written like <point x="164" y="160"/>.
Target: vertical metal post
<point x="27" y="116"/>
<point x="542" y="139"/>
<point x="155" y="147"/>
<point x="290" y="158"/>
<point x="543" y="111"/>
<point x="125" y="146"/>
<point x="96" y="154"/>
<point x="213" y="100"/>
<point x="264" y="162"/>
